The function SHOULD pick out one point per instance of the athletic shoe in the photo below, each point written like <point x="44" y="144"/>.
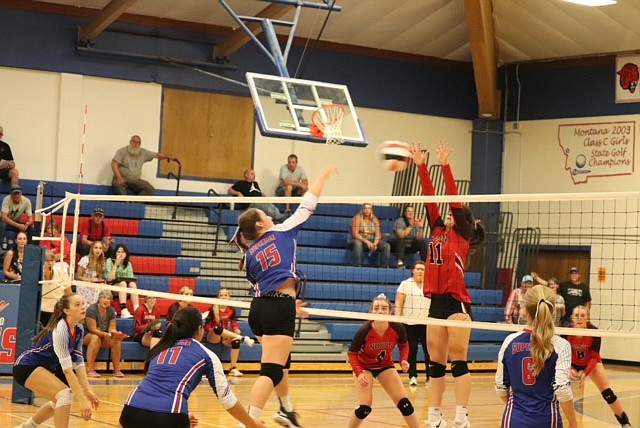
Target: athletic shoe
<point x="248" y="341"/>
<point x="465" y="424"/>
<point x="93" y="373"/>
<point x="287" y="419"/>
<point x="400" y="264"/>
<point x="441" y="424"/>
<point x="118" y="373"/>
<point x="627" y="426"/>
<point x="235" y="372"/>
<point x="125" y="313"/>
<point x="413" y="381"/>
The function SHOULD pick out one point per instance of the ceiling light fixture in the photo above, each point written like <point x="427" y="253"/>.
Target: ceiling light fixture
<point x="593" y="3"/>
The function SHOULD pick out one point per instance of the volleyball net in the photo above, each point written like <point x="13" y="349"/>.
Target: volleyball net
<point x="184" y="241"/>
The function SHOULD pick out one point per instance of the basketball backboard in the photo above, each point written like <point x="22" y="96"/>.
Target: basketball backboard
<point x="284" y="107"/>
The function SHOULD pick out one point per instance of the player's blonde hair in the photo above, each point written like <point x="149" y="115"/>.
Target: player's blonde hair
<point x="540" y="306"/>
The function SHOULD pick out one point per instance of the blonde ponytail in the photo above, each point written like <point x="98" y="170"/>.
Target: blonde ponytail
<point x="540" y="306"/>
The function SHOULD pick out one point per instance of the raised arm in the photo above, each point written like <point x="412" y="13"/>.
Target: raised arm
<point x="420" y="159"/>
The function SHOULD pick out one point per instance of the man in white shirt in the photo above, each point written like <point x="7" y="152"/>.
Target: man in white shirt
<point x="410" y="302"/>
<point x="293" y="179"/>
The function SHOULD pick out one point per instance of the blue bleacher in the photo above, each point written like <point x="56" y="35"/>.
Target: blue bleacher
<point x="150" y="246"/>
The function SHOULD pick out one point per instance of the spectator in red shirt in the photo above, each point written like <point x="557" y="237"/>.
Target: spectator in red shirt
<point x="95" y="229"/>
<point x="55" y="246"/>
<point x="147" y="323"/>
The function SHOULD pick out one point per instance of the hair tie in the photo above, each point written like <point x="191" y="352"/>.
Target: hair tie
<point x="551" y="306"/>
<point x="475" y="224"/>
<point x="381" y="296"/>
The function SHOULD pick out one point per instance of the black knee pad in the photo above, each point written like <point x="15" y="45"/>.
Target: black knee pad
<point x="218" y="330"/>
<point x="436" y="370"/>
<point x="362" y="411"/>
<point x="609" y="396"/>
<point x="405" y="407"/>
<point x="287" y="365"/>
<point x="235" y="344"/>
<point x="459" y="368"/>
<point x="272" y="371"/>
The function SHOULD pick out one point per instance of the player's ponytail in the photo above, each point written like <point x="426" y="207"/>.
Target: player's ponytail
<point x="540" y="307"/>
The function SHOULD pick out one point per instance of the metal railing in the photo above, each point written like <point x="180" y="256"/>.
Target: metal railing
<point x="219" y="215"/>
<point x="171" y="175"/>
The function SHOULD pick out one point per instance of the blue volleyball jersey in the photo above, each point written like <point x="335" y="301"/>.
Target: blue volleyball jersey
<point x="175" y="373"/>
<point x="61" y="347"/>
<point x="533" y="401"/>
<point x="271" y="260"/>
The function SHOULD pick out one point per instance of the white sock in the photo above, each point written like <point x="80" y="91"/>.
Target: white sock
<point x="255" y="412"/>
<point x="285" y="403"/>
<point x="435" y="414"/>
<point x="30" y="424"/>
<point x="461" y="414"/>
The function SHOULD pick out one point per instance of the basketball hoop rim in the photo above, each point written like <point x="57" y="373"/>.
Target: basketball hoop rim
<point x="334" y="113"/>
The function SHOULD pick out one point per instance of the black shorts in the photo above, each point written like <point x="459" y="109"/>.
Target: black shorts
<point x="22" y="373"/>
<point x="272" y="316"/>
<point x="445" y="305"/>
<point x="132" y="417"/>
<point x="4" y="174"/>
<point x="376" y="372"/>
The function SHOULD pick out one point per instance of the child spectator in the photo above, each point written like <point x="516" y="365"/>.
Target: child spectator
<point x="91" y="269"/>
<point x="147" y="323"/>
<point x="119" y="272"/>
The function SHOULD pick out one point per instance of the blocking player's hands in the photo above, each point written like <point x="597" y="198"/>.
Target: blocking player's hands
<point x="404" y="364"/>
<point x="300" y="308"/>
<point x="416" y="154"/>
<point x="443" y="151"/>
<point x="93" y="398"/>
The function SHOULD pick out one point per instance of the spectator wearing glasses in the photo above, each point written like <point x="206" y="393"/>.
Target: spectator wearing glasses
<point x="127" y="168"/>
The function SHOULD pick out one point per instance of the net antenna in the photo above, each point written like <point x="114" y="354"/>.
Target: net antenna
<point x="328" y="119"/>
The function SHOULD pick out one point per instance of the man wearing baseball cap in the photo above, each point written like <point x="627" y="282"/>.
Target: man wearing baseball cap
<point x="17" y="215"/>
<point x="575" y="293"/>
<point x="95" y="229"/>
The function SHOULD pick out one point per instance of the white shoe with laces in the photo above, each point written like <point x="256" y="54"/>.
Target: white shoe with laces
<point x="248" y="341"/>
<point x="125" y="313"/>
<point x="440" y="424"/>
<point x="465" y="424"/>
<point x="235" y="372"/>
<point x="413" y="381"/>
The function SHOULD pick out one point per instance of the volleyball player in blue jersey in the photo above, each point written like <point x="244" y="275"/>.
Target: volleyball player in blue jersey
<point x="270" y="262"/>
<point x="53" y="366"/>
<point x="174" y="367"/>
<point x="534" y="369"/>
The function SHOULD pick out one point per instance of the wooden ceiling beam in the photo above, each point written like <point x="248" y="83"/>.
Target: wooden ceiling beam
<point x="483" y="52"/>
<point x="239" y="38"/>
<point x="105" y="17"/>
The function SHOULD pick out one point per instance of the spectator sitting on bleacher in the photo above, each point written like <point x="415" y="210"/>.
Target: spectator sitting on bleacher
<point x="8" y="171"/>
<point x="14" y="258"/>
<point x="101" y="332"/>
<point x="222" y="327"/>
<point x="147" y="323"/>
<point x="409" y="236"/>
<point x="17" y="215"/>
<point x="127" y="168"/>
<point x="119" y="272"/>
<point x="366" y="234"/>
<point x="91" y="269"/>
<point x="293" y="180"/>
<point x="514" y="311"/>
<point x="249" y="187"/>
<point x="176" y="306"/>
<point x="57" y="284"/>
<point x="95" y="229"/>
<point x="53" y="231"/>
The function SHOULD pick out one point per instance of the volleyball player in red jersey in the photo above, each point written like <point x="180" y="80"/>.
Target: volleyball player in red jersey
<point x="586" y="362"/>
<point x="370" y="356"/>
<point x="451" y="239"/>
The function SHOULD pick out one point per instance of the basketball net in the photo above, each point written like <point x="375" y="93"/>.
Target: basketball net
<point x="328" y="119"/>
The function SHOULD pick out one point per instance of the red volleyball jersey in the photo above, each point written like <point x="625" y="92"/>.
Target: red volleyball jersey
<point x="228" y="319"/>
<point x="448" y="250"/>
<point x="584" y="349"/>
<point x="370" y="351"/>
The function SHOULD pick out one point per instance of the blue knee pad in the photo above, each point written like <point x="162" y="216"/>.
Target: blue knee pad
<point x="405" y="407"/>
<point x="609" y="396"/>
<point x="218" y="330"/>
<point x="437" y="370"/>
<point x="459" y="368"/>
<point x="362" y="411"/>
<point x="272" y="371"/>
<point x="235" y="344"/>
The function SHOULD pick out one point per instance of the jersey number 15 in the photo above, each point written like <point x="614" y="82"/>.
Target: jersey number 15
<point x="269" y="257"/>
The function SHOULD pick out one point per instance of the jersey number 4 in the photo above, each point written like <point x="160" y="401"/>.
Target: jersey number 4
<point x="269" y="257"/>
<point x="169" y="356"/>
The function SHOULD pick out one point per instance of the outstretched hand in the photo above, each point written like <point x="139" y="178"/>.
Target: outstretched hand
<point x="416" y="154"/>
<point x="443" y="151"/>
<point x="329" y="171"/>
